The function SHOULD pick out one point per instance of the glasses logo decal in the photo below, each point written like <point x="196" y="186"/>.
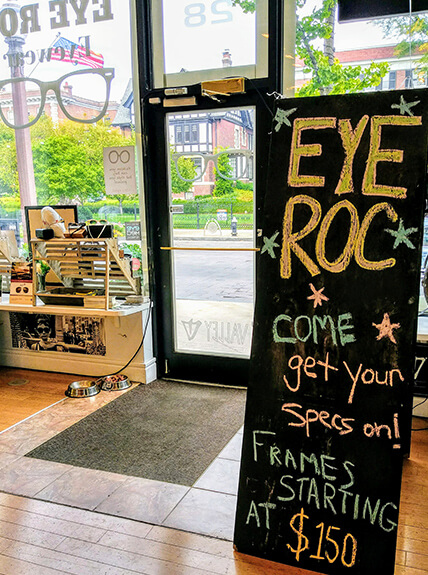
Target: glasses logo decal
<point x="123" y="156"/>
<point x="239" y="160"/>
<point x="74" y="108"/>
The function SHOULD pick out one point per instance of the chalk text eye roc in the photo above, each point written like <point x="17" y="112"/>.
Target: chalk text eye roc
<point x="319" y="223"/>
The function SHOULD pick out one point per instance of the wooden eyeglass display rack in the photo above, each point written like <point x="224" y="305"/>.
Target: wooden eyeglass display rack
<point x="93" y="270"/>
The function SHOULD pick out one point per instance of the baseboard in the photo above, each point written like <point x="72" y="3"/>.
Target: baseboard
<point x="90" y="365"/>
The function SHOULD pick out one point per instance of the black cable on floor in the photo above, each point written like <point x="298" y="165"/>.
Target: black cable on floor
<point x="420" y="403"/>
<point x="138" y="349"/>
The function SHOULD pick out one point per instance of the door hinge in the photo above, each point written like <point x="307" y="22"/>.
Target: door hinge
<point x="166" y="367"/>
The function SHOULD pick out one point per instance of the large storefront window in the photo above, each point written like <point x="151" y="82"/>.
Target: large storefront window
<point x="66" y="107"/>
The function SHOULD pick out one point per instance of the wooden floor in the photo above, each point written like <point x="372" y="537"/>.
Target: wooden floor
<point x="42" y="538"/>
<point x="23" y="393"/>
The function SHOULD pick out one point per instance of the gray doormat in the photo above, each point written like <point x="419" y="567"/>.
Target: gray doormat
<point x="165" y="431"/>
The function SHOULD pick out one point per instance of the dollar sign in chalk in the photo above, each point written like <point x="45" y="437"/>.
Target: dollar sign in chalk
<point x="300" y="537"/>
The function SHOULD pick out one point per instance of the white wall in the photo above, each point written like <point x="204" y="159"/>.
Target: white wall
<point x="123" y="336"/>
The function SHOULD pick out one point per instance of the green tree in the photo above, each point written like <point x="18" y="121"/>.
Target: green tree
<point x="9" y="183"/>
<point x="222" y="186"/>
<point x="412" y="33"/>
<point x="187" y="170"/>
<point x="68" y="159"/>
<point x="10" y="204"/>
<point x="315" y="46"/>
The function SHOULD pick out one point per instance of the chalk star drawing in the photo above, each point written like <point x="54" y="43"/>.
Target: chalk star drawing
<point x="270" y="245"/>
<point x="317" y="296"/>
<point x="385" y="328"/>
<point x="191" y="327"/>
<point x="281" y="117"/>
<point x="404" y="106"/>
<point x="401" y="235"/>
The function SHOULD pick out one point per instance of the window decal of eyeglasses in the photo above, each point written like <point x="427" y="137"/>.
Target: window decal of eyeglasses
<point x="23" y="289"/>
<point x="124" y="156"/>
<point x="237" y="166"/>
<point x="76" y="108"/>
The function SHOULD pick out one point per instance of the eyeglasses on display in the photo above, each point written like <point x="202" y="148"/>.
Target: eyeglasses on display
<point x="232" y="160"/>
<point x="20" y="289"/>
<point x="94" y="222"/>
<point x="98" y="81"/>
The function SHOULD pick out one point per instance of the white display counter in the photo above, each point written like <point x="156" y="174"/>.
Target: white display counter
<point x="123" y="329"/>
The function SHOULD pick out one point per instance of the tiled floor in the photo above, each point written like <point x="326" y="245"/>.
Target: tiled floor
<point x="208" y="507"/>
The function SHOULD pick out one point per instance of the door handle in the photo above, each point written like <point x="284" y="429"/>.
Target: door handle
<point x="169" y="248"/>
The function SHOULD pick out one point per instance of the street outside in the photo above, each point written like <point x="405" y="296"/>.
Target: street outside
<point x="213" y="295"/>
<point x="214" y="275"/>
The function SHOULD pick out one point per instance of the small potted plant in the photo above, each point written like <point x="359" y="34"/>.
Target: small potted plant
<point x="134" y="252"/>
<point x="42" y="269"/>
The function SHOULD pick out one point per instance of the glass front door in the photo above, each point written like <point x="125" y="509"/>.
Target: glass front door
<point x="209" y="39"/>
<point x="209" y="68"/>
<point x="211" y="190"/>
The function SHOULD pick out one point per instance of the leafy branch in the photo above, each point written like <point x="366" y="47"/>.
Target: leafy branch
<point x="315" y="47"/>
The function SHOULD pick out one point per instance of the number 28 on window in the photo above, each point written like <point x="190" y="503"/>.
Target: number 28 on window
<point x="196" y="14"/>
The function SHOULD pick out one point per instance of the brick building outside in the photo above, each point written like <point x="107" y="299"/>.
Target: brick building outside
<point x="196" y="135"/>
<point x="402" y="72"/>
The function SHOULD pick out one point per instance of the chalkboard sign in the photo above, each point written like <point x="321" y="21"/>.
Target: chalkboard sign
<point x="328" y="405"/>
<point x="367" y="9"/>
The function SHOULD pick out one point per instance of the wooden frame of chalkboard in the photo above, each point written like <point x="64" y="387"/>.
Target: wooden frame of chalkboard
<point x="329" y="399"/>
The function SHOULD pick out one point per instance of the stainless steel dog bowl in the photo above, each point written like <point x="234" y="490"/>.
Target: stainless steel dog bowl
<point x="114" y="382"/>
<point x="82" y="388"/>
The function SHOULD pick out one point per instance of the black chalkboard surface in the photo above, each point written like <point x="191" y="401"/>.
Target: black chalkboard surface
<point x="349" y="10"/>
<point x="327" y="411"/>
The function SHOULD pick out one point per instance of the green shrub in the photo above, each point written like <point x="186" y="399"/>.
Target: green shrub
<point x="210" y="205"/>
<point x="244" y="185"/>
